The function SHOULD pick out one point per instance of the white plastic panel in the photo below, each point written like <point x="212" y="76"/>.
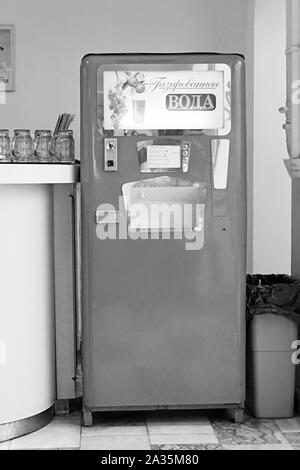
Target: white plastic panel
<point x="144" y="99"/>
<point x="220" y="149"/>
<point x="165" y="204"/>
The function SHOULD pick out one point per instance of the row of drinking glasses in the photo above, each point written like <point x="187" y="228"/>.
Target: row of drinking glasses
<point x="43" y="148"/>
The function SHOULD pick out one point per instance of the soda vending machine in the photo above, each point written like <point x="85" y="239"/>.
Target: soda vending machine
<point x="163" y="163"/>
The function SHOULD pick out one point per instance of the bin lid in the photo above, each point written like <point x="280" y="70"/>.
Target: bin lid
<point x="269" y="332"/>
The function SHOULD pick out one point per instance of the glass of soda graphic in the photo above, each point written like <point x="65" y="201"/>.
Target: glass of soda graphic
<point x="139" y="107"/>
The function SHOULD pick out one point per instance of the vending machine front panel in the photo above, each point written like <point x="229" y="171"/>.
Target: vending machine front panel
<point x="163" y="230"/>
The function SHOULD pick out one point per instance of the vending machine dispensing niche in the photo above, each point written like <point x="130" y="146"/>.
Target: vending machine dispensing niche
<point x="163" y="231"/>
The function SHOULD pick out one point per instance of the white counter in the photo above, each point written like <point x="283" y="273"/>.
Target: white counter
<point x="38" y="174"/>
<point x="27" y="300"/>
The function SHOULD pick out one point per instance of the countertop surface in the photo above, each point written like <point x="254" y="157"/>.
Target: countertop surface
<point x="31" y="173"/>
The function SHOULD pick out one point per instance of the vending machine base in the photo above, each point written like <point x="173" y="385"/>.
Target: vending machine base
<point x="237" y="412"/>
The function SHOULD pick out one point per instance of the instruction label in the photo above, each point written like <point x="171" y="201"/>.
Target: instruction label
<point x="164" y="156"/>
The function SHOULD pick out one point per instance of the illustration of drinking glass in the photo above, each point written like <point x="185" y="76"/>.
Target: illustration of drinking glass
<point x="139" y="110"/>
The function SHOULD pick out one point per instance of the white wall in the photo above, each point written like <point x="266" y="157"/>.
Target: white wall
<point x="53" y="36"/>
<point x="272" y="186"/>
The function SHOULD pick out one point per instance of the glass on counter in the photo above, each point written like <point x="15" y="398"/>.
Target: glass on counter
<point x="63" y="147"/>
<point x="42" y="144"/>
<point x="22" y="146"/>
<point x="5" y="150"/>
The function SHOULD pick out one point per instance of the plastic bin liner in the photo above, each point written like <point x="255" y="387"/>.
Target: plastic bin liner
<point x="278" y="294"/>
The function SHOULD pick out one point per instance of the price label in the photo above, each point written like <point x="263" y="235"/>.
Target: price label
<point x="164" y="156"/>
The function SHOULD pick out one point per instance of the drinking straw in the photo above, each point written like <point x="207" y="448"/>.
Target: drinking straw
<point x="63" y="122"/>
<point x="70" y="120"/>
<point x="58" y="124"/>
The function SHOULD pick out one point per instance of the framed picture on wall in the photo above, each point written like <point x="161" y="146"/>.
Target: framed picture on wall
<point x="7" y="57"/>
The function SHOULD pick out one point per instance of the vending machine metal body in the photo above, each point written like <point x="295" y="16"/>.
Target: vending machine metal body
<point x="163" y="299"/>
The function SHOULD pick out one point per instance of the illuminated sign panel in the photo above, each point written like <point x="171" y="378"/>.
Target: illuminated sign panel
<point x="181" y="99"/>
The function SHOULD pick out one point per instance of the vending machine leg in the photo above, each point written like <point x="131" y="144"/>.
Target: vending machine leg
<point x="239" y="415"/>
<point x="87" y="418"/>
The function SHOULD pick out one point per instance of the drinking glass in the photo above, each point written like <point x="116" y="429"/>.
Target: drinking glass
<point x="42" y="143"/>
<point x="63" y="147"/>
<point x="5" y="151"/>
<point x="23" y="151"/>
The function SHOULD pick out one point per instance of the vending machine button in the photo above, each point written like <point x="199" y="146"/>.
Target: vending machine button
<point x="110" y="146"/>
<point x="111" y="154"/>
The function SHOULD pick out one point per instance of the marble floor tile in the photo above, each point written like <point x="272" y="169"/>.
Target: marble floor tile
<point x="289" y="425"/>
<point x="190" y="447"/>
<point x="5" y="445"/>
<point x="251" y="432"/>
<point x="115" y="430"/>
<point x="259" y="447"/>
<point x="173" y="428"/>
<point x="178" y="423"/>
<point x="61" y="433"/>
<point x="182" y="439"/>
<point x="117" y="424"/>
<point x="294" y="440"/>
<point x="163" y="430"/>
<point x="115" y="443"/>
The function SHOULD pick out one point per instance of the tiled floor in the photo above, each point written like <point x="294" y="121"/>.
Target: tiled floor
<point x="193" y="430"/>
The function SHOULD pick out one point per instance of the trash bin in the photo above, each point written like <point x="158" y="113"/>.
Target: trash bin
<point x="272" y="306"/>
